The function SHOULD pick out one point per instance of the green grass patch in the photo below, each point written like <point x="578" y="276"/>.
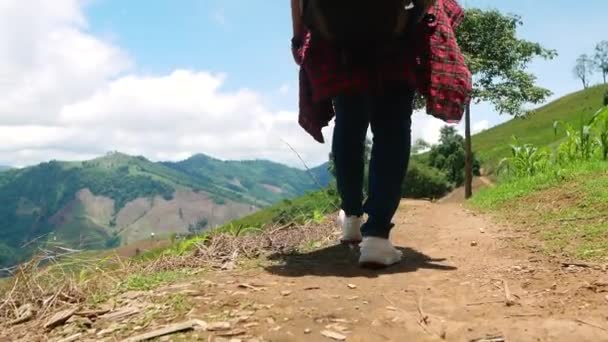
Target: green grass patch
<point x="303" y="208"/>
<point x="512" y="189"/>
<point x="146" y="282"/>
<point x="565" y="208"/>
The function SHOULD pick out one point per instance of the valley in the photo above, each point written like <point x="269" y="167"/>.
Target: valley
<point x="118" y="199"/>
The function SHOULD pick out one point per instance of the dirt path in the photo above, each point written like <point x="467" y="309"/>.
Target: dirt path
<point x="450" y="286"/>
<point x="456" y="264"/>
<point x="459" y="285"/>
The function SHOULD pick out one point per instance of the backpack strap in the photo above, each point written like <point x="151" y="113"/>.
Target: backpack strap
<point x="418" y="10"/>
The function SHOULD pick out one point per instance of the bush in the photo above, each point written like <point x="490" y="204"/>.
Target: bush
<point x="423" y="181"/>
<point x="449" y="156"/>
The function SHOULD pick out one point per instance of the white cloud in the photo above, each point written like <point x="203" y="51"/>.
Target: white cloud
<point x="480" y="126"/>
<point x="426" y="127"/>
<point x="67" y="94"/>
<point x="48" y="59"/>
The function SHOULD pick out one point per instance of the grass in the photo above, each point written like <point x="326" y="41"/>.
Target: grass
<point x="302" y="208"/>
<point x="566" y="209"/>
<point x="493" y="144"/>
<point x="150" y="281"/>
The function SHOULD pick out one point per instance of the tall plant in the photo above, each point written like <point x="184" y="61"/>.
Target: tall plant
<point x="579" y="142"/>
<point x="599" y="124"/>
<point x="525" y="160"/>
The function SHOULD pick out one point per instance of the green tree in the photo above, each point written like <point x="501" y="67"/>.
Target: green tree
<point x="420" y="146"/>
<point x="601" y="58"/>
<point x="449" y="155"/>
<point x="583" y="69"/>
<point x="498" y="60"/>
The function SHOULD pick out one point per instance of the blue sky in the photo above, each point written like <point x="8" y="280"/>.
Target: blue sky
<point x="167" y="79"/>
<point x="249" y="40"/>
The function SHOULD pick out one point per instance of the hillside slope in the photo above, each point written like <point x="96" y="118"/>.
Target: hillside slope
<point x="260" y="180"/>
<point x="493" y="144"/>
<point x="118" y="199"/>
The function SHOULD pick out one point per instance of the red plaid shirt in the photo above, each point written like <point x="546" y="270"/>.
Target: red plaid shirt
<point x="433" y="65"/>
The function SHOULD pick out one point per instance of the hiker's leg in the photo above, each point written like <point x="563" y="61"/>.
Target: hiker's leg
<point x="391" y="126"/>
<point x="351" y="124"/>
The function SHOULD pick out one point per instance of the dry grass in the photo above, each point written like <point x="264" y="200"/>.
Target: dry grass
<point x="45" y="286"/>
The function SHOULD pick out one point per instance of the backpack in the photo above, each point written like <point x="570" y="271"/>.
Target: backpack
<point x="362" y="23"/>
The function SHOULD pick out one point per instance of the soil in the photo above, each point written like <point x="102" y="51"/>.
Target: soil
<point x="464" y="277"/>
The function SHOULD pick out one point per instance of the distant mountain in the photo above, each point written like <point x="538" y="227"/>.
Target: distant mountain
<point x="4" y="168"/>
<point x="118" y="199"/>
<point x="321" y="174"/>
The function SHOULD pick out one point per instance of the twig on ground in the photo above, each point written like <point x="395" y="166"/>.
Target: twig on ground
<point x="498" y="338"/>
<point x="584" y="218"/>
<point x="581" y="264"/>
<point x="508" y="298"/>
<point x="578" y="320"/>
<point x="424" y="318"/>
<point x="283" y="227"/>
<point x="488" y="302"/>
<point x="523" y="315"/>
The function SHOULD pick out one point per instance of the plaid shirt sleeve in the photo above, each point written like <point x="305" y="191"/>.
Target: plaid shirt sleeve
<point x="445" y="80"/>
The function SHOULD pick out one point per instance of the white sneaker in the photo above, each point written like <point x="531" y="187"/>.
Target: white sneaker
<point x="351" y="228"/>
<point x="378" y="253"/>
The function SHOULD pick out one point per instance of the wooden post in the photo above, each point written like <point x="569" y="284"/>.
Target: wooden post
<point x="468" y="168"/>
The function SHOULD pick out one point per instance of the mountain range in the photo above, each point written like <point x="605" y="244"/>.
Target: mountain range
<point x="118" y="199"/>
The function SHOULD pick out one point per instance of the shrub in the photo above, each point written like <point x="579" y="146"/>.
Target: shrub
<point x="525" y="160"/>
<point x="449" y="156"/>
<point x="423" y="181"/>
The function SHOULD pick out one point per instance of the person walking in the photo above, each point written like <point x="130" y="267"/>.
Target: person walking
<point x="363" y="63"/>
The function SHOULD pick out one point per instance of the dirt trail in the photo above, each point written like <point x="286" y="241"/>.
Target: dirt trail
<point x="460" y="288"/>
<point x="455" y="267"/>
<point x="450" y="286"/>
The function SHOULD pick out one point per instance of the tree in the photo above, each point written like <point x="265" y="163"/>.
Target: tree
<point x="420" y="146"/>
<point x="584" y="69"/>
<point x="449" y="155"/>
<point x="601" y="58"/>
<point x="498" y="60"/>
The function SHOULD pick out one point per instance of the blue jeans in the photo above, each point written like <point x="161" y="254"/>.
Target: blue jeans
<point x="389" y="114"/>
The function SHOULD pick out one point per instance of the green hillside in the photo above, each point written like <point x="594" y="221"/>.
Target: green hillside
<point x="260" y="180"/>
<point x="493" y="144"/>
<point x="111" y="200"/>
<point x="4" y="168"/>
